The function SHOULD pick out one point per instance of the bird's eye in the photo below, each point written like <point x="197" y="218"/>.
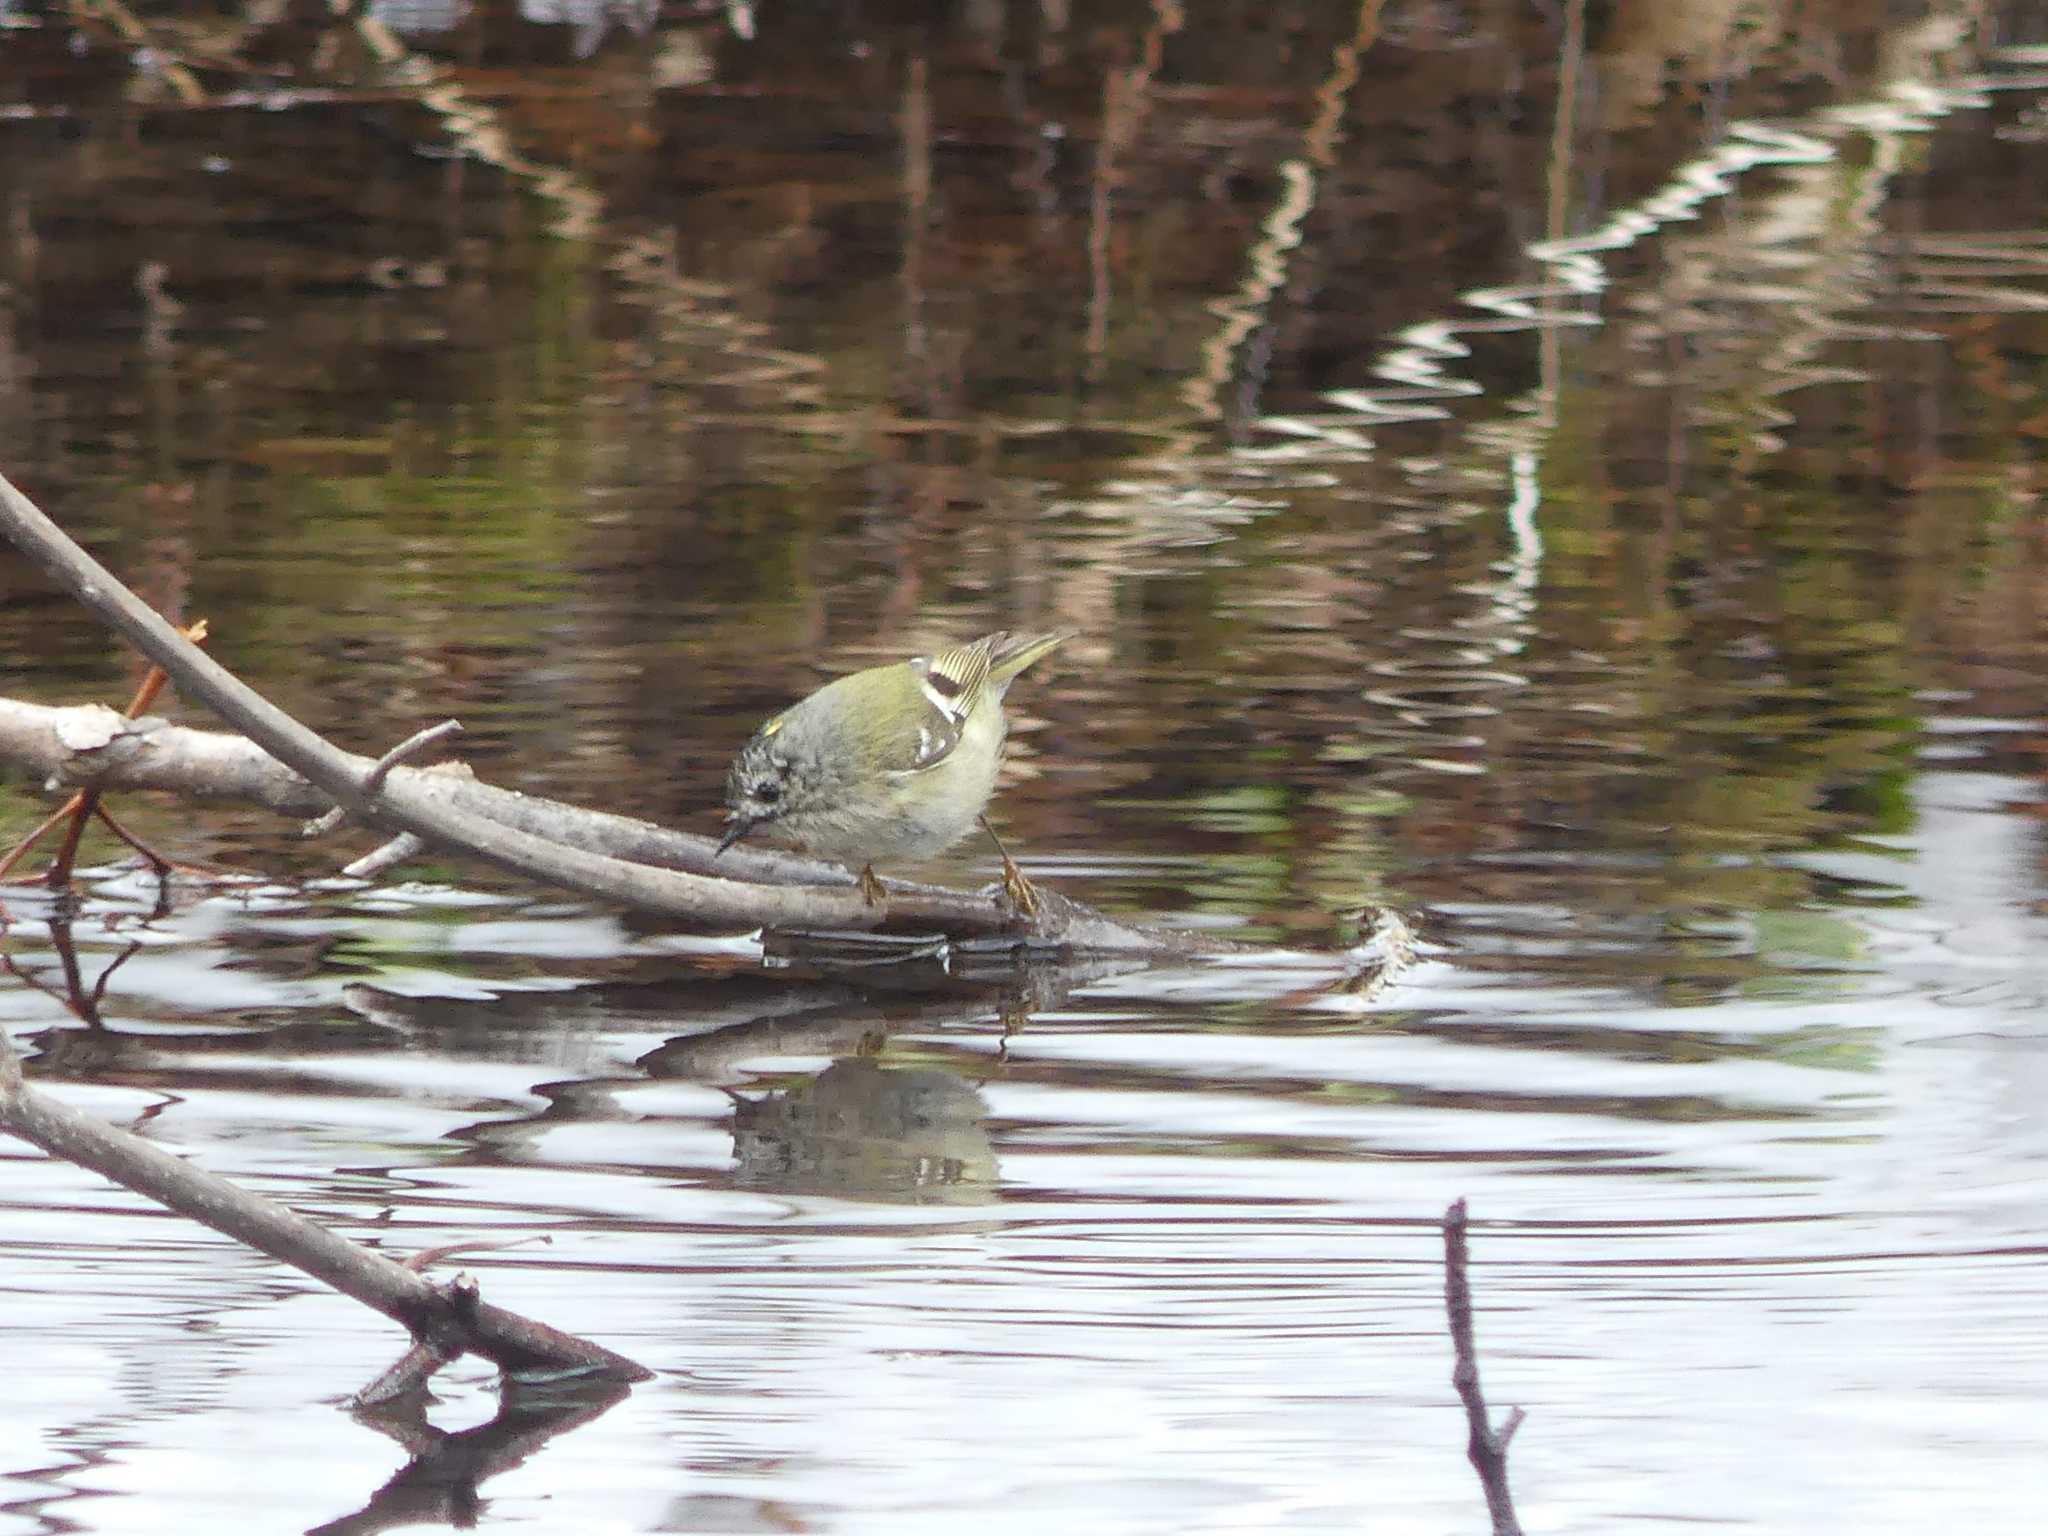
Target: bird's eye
<point x="767" y="791"/>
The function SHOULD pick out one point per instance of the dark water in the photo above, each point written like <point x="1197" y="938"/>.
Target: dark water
<point x="1576" y="484"/>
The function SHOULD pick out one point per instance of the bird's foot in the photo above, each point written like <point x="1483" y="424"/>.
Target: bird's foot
<point x="1021" y="894"/>
<point x="871" y="889"/>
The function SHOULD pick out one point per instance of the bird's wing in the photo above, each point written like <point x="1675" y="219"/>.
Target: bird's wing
<point x="951" y="683"/>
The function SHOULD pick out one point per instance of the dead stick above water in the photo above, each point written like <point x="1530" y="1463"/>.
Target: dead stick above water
<point x="85" y="805"/>
<point x="1486" y="1446"/>
<point x="397" y="805"/>
<point x="445" y="1321"/>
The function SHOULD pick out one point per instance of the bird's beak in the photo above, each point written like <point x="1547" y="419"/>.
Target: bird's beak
<point x="737" y="827"/>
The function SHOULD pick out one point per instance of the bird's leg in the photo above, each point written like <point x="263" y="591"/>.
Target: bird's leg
<point x="1022" y="894"/>
<point x="871" y="889"/>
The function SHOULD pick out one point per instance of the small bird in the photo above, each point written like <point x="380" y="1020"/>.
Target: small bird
<point x="890" y="765"/>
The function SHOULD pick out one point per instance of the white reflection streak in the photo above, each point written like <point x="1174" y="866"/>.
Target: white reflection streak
<point x="1418" y="367"/>
<point x="1514" y="600"/>
<point x="1243" y="311"/>
<point x="1416" y="363"/>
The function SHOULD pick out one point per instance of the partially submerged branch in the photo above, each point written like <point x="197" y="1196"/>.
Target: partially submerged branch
<point x="1486" y="1446"/>
<point x="445" y="1321"/>
<point x="557" y="845"/>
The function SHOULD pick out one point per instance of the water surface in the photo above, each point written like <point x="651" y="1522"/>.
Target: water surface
<point x="1575" y="485"/>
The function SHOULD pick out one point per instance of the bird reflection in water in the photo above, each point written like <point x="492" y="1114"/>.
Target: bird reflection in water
<point x="907" y="1135"/>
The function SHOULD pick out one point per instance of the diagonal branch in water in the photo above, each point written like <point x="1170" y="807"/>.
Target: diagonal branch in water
<point x="1486" y="1445"/>
<point x="445" y="1321"/>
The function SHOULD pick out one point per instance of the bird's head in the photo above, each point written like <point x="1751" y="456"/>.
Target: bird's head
<point x="778" y="773"/>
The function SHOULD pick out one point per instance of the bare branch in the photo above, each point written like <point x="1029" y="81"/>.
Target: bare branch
<point x="1486" y="1446"/>
<point x="445" y="1321"/>
<point x="412" y="746"/>
<point x="85" y="805"/>
<point x="385" y="856"/>
<point x="373" y="781"/>
<point x="771" y="891"/>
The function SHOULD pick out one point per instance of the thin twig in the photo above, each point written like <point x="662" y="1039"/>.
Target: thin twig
<point x="83" y="1005"/>
<point x="1485" y="1445"/>
<point x="82" y="806"/>
<point x="385" y="856"/>
<point x="156" y="861"/>
<point x="427" y="1258"/>
<point x="412" y="746"/>
<point x="99" y="988"/>
<point x="70" y="1004"/>
<point x="373" y="781"/>
<point x="43" y="828"/>
<point x="159" y="865"/>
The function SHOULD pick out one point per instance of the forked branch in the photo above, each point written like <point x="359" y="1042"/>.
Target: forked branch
<point x="774" y="893"/>
<point x="1486" y="1445"/>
